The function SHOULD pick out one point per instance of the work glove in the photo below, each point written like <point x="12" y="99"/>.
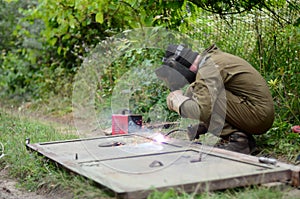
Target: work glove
<point x="175" y="99"/>
<point x="194" y="131"/>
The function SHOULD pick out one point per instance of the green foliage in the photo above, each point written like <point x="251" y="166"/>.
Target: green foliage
<point x="46" y="42"/>
<point x="8" y="17"/>
<point x="230" y="7"/>
<point x="256" y="192"/>
<point x="51" y="38"/>
<point x="280" y="141"/>
<point x="137" y="68"/>
<point x="43" y="43"/>
<point x="73" y="27"/>
<point x="171" y="193"/>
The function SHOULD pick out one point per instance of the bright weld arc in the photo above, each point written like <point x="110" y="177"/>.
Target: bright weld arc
<point x="160" y="138"/>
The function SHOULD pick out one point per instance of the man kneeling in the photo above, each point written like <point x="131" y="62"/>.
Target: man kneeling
<point x="248" y="108"/>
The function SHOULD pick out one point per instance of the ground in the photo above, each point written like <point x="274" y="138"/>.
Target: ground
<point x="8" y="189"/>
<point x="8" y="185"/>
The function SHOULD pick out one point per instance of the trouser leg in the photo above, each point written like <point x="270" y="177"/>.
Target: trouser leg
<point x="228" y="129"/>
<point x="245" y="116"/>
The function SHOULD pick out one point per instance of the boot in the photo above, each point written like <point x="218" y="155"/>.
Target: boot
<point x="238" y="142"/>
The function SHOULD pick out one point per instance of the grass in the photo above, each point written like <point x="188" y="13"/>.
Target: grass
<point x="239" y="193"/>
<point x="35" y="173"/>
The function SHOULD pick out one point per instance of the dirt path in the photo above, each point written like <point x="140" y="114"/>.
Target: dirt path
<point x="8" y="189"/>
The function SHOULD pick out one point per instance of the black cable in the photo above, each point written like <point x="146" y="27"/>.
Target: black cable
<point x="174" y="130"/>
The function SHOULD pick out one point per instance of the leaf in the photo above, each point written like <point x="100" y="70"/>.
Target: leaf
<point x="169" y="194"/>
<point x="59" y="50"/>
<point x="99" y="17"/>
<point x="53" y="41"/>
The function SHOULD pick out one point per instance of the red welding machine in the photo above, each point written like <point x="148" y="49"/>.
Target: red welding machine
<point x="126" y="123"/>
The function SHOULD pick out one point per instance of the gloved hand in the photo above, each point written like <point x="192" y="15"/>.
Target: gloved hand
<point x="194" y="131"/>
<point x="175" y="99"/>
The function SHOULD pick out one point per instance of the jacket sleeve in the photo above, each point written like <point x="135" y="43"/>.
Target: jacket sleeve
<point x="203" y="92"/>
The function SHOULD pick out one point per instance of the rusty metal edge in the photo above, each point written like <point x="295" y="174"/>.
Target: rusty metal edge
<point x="294" y="169"/>
<point x="71" y="167"/>
<point x="215" y="185"/>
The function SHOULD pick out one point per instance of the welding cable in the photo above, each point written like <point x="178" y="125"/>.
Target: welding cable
<point x="174" y="130"/>
<point x="2" y="150"/>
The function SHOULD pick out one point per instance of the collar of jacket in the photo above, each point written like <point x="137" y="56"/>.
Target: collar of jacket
<point x="206" y="54"/>
<point x="210" y="49"/>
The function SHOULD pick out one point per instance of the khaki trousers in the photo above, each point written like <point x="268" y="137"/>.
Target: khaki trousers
<point x="242" y="115"/>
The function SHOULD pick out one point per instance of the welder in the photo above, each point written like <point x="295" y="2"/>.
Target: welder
<point x="218" y="86"/>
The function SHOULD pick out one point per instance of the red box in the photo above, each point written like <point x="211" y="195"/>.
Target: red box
<point x="124" y="124"/>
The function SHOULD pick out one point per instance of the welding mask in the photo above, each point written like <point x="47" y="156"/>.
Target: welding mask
<point x="175" y="70"/>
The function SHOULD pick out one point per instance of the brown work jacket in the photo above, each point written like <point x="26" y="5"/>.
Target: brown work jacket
<point x="228" y="88"/>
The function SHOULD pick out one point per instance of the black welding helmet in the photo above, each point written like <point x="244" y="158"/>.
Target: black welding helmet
<point x="175" y="70"/>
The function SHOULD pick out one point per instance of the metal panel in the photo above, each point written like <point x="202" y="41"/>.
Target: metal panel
<point x="132" y="165"/>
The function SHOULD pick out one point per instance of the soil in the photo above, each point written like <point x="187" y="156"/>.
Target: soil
<point x="8" y="185"/>
<point x="8" y="188"/>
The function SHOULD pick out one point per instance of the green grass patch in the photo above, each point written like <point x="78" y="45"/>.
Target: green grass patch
<point x="238" y="193"/>
<point x="33" y="172"/>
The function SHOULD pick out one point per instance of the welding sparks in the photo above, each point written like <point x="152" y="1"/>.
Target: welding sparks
<point x="159" y="138"/>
